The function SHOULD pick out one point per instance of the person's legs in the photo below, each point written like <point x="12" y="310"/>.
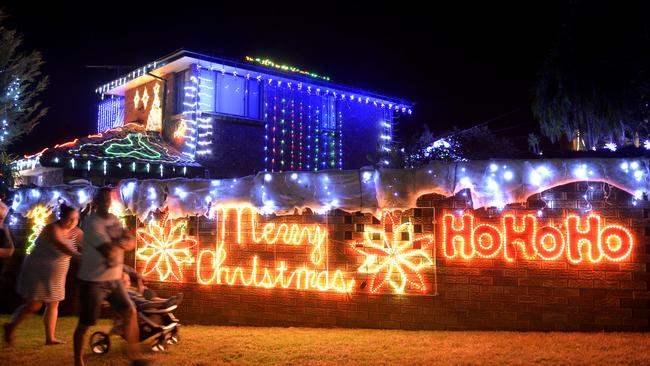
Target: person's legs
<point x="49" y="320"/>
<point x="120" y="302"/>
<point x="91" y="295"/>
<point x="131" y="332"/>
<point x="78" y="341"/>
<point x="19" y="315"/>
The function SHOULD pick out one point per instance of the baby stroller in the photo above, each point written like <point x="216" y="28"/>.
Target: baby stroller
<point x="159" y="326"/>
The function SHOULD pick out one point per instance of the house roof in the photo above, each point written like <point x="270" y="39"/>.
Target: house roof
<point x="125" y="146"/>
<point x="182" y="59"/>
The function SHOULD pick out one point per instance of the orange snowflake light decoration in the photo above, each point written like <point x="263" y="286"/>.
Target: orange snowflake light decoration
<point x="166" y="249"/>
<point x="392" y="257"/>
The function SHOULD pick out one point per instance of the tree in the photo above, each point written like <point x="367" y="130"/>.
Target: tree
<point x="21" y="85"/>
<point x="592" y="83"/>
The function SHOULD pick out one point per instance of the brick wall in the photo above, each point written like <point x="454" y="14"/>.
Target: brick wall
<point x="140" y="113"/>
<point x="463" y="294"/>
<point x="477" y="293"/>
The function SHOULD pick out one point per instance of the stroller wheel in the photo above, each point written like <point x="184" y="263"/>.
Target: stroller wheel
<point x="100" y="342"/>
<point x="174" y="337"/>
<point x="157" y="347"/>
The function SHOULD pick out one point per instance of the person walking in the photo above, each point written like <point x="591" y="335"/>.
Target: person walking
<point x="100" y="276"/>
<point x="42" y="276"/>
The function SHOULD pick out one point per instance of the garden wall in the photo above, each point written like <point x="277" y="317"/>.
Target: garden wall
<point x="474" y="293"/>
<point x="304" y="249"/>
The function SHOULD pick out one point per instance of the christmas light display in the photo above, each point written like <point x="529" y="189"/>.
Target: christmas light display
<point x="144" y="99"/>
<point x="212" y="269"/>
<point x="269" y="63"/>
<point x="107" y="150"/>
<point x="136" y="99"/>
<point x="583" y="239"/>
<point x="370" y="191"/>
<point x="166" y="249"/>
<point x="110" y="113"/>
<point x="12" y="95"/>
<point x="141" y="71"/>
<point x="336" y="92"/>
<point x="154" y="118"/>
<point x="39" y="216"/>
<point x="303" y="129"/>
<point x="205" y="88"/>
<point x="393" y="260"/>
<point x="192" y="119"/>
<point x="134" y="145"/>
<point x="285" y="254"/>
<point x="181" y="130"/>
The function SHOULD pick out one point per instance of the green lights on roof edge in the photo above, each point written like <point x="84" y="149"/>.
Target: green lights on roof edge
<point x="269" y="63"/>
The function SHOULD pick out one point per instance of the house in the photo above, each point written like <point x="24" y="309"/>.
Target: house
<point x="223" y="118"/>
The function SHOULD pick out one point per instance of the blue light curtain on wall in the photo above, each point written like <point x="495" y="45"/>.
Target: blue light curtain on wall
<point x="110" y="113"/>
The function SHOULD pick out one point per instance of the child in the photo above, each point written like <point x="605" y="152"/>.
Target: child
<point x="143" y="303"/>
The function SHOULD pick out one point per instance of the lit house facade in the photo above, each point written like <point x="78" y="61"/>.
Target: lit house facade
<point x="239" y="118"/>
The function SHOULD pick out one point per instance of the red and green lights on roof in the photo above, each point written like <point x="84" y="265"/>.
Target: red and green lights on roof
<point x="287" y="68"/>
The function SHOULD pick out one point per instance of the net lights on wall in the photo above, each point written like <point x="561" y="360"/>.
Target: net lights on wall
<point x="303" y="131"/>
<point x="110" y="113"/>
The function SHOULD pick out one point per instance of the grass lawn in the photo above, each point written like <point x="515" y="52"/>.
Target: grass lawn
<point x="209" y="345"/>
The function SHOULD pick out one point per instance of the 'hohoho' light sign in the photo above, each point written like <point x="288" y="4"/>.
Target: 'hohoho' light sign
<point x="391" y="259"/>
<point x="580" y="239"/>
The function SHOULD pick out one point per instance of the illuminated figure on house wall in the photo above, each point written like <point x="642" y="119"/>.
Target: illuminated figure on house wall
<point x="154" y="118"/>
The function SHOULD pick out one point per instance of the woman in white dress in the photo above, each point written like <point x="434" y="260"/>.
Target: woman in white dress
<point x="43" y="272"/>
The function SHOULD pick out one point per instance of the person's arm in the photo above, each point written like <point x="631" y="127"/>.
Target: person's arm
<point x="127" y="241"/>
<point x="61" y="243"/>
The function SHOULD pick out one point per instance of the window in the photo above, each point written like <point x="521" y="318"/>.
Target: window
<point x="231" y="94"/>
<point x="221" y="93"/>
<point x="253" y="95"/>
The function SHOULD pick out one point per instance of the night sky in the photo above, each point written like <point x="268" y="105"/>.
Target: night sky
<point x="461" y="65"/>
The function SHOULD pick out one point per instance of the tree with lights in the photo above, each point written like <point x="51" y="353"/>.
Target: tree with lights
<point x="473" y="143"/>
<point x="21" y="85"/>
